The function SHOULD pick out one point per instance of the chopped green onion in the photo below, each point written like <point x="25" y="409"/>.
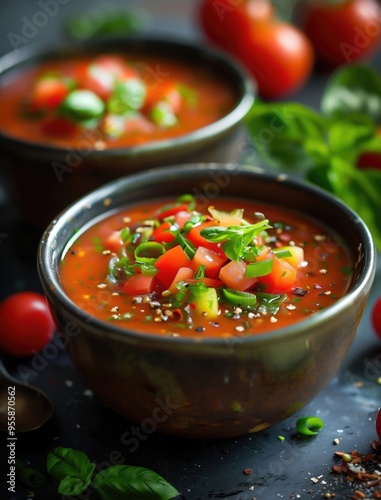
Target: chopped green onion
<point x="309" y="426"/>
<point x="148" y="269"/>
<point x="148" y="252"/>
<point x="200" y="273"/>
<point x="260" y="268"/>
<point x="125" y="234"/>
<point x="239" y="298"/>
<point x="82" y="105"/>
<point x="282" y="253"/>
<point x="185" y="244"/>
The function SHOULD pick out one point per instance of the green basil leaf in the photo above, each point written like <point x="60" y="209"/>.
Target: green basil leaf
<point x="29" y="476"/>
<point x="346" y="137"/>
<point x="135" y="483"/>
<point x="373" y="145"/>
<point x="353" y="90"/>
<point x="359" y="189"/>
<point x="70" y="469"/>
<point x="279" y="132"/>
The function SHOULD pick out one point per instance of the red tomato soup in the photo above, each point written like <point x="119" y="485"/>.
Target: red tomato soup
<point x="128" y="102"/>
<point x="232" y="269"/>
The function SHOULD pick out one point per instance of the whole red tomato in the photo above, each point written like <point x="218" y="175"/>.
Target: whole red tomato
<point x="342" y="32"/>
<point x="278" y="55"/>
<point x="26" y="324"/>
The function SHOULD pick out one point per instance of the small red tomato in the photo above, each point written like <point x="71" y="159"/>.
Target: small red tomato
<point x="376" y="317"/>
<point x="342" y="32"/>
<point x="26" y="324"/>
<point x="278" y="55"/>
<point x="378" y="424"/>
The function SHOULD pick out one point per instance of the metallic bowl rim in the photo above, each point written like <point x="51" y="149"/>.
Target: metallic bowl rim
<point x="11" y="60"/>
<point x="52" y="287"/>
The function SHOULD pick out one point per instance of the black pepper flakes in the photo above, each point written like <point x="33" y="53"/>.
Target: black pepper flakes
<point x="199" y="329"/>
<point x="299" y="292"/>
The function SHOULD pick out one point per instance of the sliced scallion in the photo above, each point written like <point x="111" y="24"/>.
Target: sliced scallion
<point x="260" y="268"/>
<point x="239" y="298"/>
<point x="309" y="426"/>
<point x="148" y="252"/>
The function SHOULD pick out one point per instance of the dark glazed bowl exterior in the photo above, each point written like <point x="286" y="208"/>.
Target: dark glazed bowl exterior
<point x="81" y="169"/>
<point x="192" y="388"/>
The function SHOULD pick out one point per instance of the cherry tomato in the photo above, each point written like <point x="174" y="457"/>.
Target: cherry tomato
<point x="342" y="32"/>
<point x="378" y="424"/>
<point x="26" y="324"/>
<point x="48" y="94"/>
<point x="223" y="20"/>
<point x="376" y="317"/>
<point x="278" y="55"/>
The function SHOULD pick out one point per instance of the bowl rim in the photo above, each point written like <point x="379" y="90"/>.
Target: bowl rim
<point x="14" y="59"/>
<point x="52" y="286"/>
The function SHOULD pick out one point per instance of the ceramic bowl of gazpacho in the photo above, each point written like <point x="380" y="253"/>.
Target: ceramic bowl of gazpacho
<point x="215" y="300"/>
<point x="77" y="116"/>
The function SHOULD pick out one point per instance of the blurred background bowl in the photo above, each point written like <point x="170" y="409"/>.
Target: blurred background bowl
<point x="30" y="164"/>
<point x="202" y="384"/>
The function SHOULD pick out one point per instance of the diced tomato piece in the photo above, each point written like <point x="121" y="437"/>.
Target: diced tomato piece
<point x="48" y="94"/>
<point x="138" y="284"/>
<point x="282" y="277"/>
<point x="199" y="241"/>
<point x="173" y="210"/>
<point x="169" y="263"/>
<point x="113" y="242"/>
<point x="161" y="234"/>
<point x="166" y="91"/>
<point x="183" y="274"/>
<point x="211" y="260"/>
<point x="58" y="126"/>
<point x="234" y="276"/>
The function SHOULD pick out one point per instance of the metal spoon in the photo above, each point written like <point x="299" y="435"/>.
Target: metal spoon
<point x="32" y="407"/>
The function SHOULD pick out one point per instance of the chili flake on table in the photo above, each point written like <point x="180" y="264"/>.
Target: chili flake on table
<point x="179" y="269"/>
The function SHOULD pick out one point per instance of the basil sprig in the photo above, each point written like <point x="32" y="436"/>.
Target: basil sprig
<point x="235" y="239"/>
<point x="73" y="472"/>
<point x="324" y="147"/>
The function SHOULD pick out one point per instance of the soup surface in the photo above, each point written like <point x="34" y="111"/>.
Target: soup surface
<point x="175" y="268"/>
<point x="113" y="100"/>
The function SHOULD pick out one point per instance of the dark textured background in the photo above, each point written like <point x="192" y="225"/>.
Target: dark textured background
<point x="199" y="469"/>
